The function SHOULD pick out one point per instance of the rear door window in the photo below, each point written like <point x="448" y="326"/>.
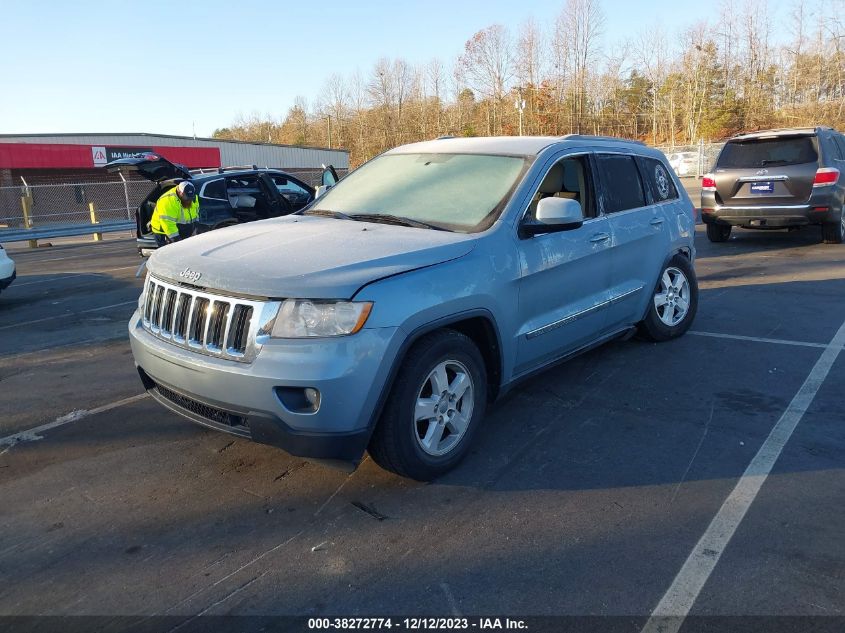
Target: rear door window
<point x="659" y="182"/>
<point x="622" y="187"/>
<point x="215" y="189"/>
<point x="756" y="153"/>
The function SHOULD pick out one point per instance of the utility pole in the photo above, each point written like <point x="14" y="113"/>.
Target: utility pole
<point x="520" y="106"/>
<point x="329" y="126"/>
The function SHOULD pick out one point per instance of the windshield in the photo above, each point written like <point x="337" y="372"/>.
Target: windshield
<point x="794" y="150"/>
<point x="460" y="192"/>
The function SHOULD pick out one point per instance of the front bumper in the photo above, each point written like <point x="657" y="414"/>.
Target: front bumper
<point x="4" y="283"/>
<point x="246" y="398"/>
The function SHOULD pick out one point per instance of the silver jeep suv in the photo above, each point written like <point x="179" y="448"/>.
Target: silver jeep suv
<point x="388" y="314"/>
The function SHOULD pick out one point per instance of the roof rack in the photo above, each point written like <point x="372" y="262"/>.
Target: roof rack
<point x="221" y="170"/>
<point x="589" y="137"/>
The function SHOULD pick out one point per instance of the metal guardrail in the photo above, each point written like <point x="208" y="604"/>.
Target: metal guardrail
<point x="64" y="230"/>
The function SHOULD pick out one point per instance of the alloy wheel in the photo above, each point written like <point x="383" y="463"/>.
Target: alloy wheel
<point x="672" y="299"/>
<point x="443" y="408"/>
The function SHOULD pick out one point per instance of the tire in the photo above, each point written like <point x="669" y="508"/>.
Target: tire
<point x="665" y="319"/>
<point x="408" y="446"/>
<point x="718" y="232"/>
<point x="833" y="232"/>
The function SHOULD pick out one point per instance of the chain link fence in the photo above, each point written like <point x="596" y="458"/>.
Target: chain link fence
<point x="27" y="206"/>
<point x="70" y="203"/>
<point x="692" y="161"/>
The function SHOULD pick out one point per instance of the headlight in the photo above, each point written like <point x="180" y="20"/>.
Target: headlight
<point x="143" y="297"/>
<point x="301" y="318"/>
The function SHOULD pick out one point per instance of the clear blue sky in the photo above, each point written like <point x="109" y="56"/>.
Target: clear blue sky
<point x="148" y="66"/>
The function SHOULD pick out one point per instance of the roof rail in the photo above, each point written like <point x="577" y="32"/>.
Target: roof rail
<point x="444" y="137"/>
<point x="589" y="137"/>
<point x="220" y="170"/>
<point x="781" y="130"/>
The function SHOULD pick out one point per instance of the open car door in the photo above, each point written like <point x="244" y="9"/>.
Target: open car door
<point x="327" y="181"/>
<point x="151" y="166"/>
<point x="277" y="204"/>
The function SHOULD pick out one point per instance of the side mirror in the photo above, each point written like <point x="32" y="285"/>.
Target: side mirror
<point x="320" y="190"/>
<point x="329" y="176"/>
<point x="554" y="215"/>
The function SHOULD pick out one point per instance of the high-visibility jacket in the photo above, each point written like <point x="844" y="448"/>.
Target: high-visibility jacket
<point x="169" y="212"/>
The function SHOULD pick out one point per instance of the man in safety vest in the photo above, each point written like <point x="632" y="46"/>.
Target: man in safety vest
<point x="176" y="214"/>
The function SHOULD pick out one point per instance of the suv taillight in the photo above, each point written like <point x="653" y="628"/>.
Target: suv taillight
<point x="708" y="183"/>
<point x="826" y="176"/>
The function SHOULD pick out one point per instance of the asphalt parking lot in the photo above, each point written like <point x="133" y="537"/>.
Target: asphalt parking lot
<point x="587" y="492"/>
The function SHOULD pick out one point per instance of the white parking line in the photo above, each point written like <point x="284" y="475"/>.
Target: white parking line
<point x="73" y="275"/>
<point x="67" y="314"/>
<point x="33" y="435"/>
<point x="757" y="339"/>
<point x="675" y="605"/>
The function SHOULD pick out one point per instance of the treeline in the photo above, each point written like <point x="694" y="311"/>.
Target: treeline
<point x="738" y="71"/>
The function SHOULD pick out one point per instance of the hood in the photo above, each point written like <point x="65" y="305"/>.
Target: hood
<point x="304" y="256"/>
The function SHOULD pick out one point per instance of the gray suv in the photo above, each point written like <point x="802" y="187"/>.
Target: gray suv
<point x="777" y="179"/>
<point x="388" y="314"/>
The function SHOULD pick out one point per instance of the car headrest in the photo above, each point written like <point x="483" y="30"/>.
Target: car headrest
<point x="571" y="177"/>
<point x="553" y="182"/>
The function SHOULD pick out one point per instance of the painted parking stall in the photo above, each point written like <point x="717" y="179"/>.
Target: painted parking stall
<point x="596" y="488"/>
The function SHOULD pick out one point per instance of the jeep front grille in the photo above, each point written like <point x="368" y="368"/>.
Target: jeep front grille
<point x="204" y="322"/>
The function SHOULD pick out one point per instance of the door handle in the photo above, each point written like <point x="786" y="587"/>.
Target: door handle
<point x="600" y="237"/>
<point x="656" y="221"/>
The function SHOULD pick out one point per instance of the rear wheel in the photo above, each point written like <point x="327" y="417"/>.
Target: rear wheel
<point x="674" y="302"/>
<point x="718" y="232"/>
<point x="434" y="407"/>
<point x="833" y="232"/>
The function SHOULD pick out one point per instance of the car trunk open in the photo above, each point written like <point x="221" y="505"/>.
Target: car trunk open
<point x="150" y="166"/>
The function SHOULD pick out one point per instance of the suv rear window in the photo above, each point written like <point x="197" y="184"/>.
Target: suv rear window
<point x="752" y="153"/>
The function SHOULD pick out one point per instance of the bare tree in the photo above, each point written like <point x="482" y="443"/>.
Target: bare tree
<point x="578" y="29"/>
<point x="713" y="80"/>
<point x="652" y="56"/>
<point x="488" y="65"/>
<point x="530" y="60"/>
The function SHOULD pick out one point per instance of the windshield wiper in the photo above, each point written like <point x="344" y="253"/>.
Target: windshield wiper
<point x="763" y="163"/>
<point x="327" y="213"/>
<point x="398" y="220"/>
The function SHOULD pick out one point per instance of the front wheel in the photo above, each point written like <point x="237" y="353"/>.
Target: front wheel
<point x="434" y="407"/>
<point x="674" y="301"/>
<point x="833" y="232"/>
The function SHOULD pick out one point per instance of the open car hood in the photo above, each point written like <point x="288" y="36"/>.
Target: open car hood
<point x="151" y="166"/>
<point x="304" y="256"/>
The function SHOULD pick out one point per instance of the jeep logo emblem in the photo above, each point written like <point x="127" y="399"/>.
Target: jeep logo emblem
<point x="190" y="275"/>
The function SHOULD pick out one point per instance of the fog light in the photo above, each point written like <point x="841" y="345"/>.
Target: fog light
<point x="313" y="398"/>
<point x="299" y="399"/>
